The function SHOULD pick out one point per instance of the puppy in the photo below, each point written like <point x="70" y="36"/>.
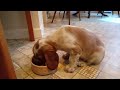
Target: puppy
<point x="82" y="46"/>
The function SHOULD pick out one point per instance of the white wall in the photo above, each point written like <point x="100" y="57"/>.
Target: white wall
<point x="36" y="24"/>
<point x="14" y="24"/>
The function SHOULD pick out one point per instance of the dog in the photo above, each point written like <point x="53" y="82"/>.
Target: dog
<point x="82" y="47"/>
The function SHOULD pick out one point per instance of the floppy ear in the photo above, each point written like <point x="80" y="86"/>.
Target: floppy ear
<point x="52" y="58"/>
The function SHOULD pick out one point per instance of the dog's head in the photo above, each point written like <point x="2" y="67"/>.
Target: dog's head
<point x="46" y="53"/>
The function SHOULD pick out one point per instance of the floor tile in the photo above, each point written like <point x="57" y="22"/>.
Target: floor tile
<point x="54" y="76"/>
<point x="27" y="68"/>
<point x="89" y="72"/>
<point x="28" y="77"/>
<point x="23" y="48"/>
<point x="27" y="51"/>
<point x="35" y="76"/>
<point x="20" y="74"/>
<point x="104" y="75"/>
<point x="17" y="55"/>
<point x="30" y="56"/>
<point x="79" y="76"/>
<point x="16" y="66"/>
<point x="23" y="61"/>
<point x="112" y="70"/>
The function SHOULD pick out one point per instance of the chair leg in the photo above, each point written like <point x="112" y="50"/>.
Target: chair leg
<point x="47" y="13"/>
<point x="118" y="14"/>
<point x="112" y="12"/>
<point x="53" y="16"/>
<point x="59" y="13"/>
<point x="88" y="14"/>
<point x="98" y="12"/>
<point x="69" y="16"/>
<point x="63" y="15"/>
<point x="79" y="15"/>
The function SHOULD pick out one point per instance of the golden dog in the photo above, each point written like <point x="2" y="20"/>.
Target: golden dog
<point x="82" y="46"/>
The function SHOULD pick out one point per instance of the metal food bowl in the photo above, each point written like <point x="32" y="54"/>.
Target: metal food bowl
<point x="41" y="70"/>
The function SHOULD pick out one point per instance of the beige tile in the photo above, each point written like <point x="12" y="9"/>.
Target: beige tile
<point x="114" y="60"/>
<point x="13" y="51"/>
<point x="50" y="77"/>
<point x="79" y="76"/>
<point x="27" y="68"/>
<point x="35" y="76"/>
<point x="27" y="51"/>
<point x="23" y="61"/>
<point x="17" y="55"/>
<point x="23" y="48"/>
<point x="15" y="66"/>
<point x="28" y="77"/>
<point x="112" y="70"/>
<point x="89" y="72"/>
<point x="30" y="56"/>
<point x="106" y="58"/>
<point x="20" y="74"/>
<point x="104" y="75"/>
<point x="30" y="44"/>
<point x="54" y="76"/>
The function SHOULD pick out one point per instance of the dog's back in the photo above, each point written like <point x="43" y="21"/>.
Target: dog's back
<point x="68" y="36"/>
<point x="86" y="40"/>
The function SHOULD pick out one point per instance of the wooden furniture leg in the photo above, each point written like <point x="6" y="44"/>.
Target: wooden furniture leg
<point x="112" y="12"/>
<point x="69" y="16"/>
<point x="63" y="15"/>
<point x="118" y="14"/>
<point x="79" y="15"/>
<point x="53" y="16"/>
<point x="88" y="14"/>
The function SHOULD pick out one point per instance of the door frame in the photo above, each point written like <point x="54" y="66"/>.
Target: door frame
<point x="30" y="26"/>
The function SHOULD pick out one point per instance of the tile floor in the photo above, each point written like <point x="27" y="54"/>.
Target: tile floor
<point x="109" y="68"/>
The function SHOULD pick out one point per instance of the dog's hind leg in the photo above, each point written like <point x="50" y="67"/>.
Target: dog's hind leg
<point x="97" y="57"/>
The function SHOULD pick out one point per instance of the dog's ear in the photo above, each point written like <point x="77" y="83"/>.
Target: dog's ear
<point x="52" y="58"/>
<point x="35" y="47"/>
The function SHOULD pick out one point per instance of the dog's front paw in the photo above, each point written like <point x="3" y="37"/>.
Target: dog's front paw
<point x="69" y="69"/>
<point x="81" y="64"/>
